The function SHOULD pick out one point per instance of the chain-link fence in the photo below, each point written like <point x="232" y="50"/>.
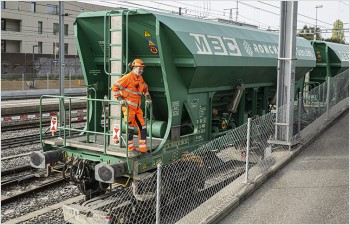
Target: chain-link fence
<point x="20" y="71"/>
<point x="241" y="154"/>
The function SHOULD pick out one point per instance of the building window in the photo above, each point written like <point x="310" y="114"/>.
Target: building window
<point x="55" y="49"/>
<point x="52" y="9"/>
<point x="65" y="48"/>
<point x="10" y="25"/>
<point x="3" y="5"/>
<point x="3" y="24"/>
<point x="40" y="27"/>
<point x="55" y="29"/>
<point x="33" y="6"/>
<point x="3" y="45"/>
<point x="66" y="29"/>
<point x="40" y="48"/>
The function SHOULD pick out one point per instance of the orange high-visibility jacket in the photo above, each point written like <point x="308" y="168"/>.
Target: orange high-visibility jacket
<point x="131" y="88"/>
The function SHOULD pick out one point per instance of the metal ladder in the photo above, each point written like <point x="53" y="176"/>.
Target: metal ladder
<point x="113" y="66"/>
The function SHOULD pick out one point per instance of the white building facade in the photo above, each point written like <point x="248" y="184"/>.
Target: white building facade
<point x="28" y="27"/>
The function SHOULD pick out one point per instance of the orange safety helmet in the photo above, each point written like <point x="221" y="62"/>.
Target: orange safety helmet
<point x="136" y="63"/>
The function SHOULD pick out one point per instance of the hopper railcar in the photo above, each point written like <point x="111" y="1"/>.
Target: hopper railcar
<point x="205" y="78"/>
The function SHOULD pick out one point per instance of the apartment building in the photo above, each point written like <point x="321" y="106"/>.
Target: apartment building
<point x="28" y="27"/>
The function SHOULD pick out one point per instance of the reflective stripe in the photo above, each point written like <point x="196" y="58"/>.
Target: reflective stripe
<point x="131" y="103"/>
<point x="133" y="92"/>
<point x="131" y="148"/>
<point x="142" y="141"/>
<point x="131" y="144"/>
<point x="128" y="90"/>
<point x="131" y="127"/>
<point x="142" y="146"/>
<point x="147" y="93"/>
<point x="144" y="127"/>
<point x="117" y="93"/>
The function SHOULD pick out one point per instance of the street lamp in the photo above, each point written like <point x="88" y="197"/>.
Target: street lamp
<point x="33" y="67"/>
<point x="317" y="7"/>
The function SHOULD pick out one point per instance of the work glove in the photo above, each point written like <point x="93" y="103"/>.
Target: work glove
<point x="149" y="102"/>
<point x="122" y="102"/>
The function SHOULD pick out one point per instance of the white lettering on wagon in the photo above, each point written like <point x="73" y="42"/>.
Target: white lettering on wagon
<point x="210" y="44"/>
<point x="217" y="45"/>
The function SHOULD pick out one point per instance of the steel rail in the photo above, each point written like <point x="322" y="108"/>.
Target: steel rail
<point x="8" y="199"/>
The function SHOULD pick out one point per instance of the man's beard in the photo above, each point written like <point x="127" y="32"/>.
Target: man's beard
<point x="138" y="73"/>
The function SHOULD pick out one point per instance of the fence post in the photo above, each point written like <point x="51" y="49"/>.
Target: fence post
<point x="47" y="81"/>
<point x="159" y="171"/>
<point x="299" y="111"/>
<point x="328" y="94"/>
<point x="247" y="150"/>
<point x="70" y="80"/>
<point x="22" y="81"/>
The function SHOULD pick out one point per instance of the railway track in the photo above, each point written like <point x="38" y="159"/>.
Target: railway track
<point x="44" y="185"/>
<point x="17" y="141"/>
<point x="13" y="127"/>
<point x="16" y="180"/>
<point x="15" y="170"/>
<point x="34" y="123"/>
<point x="28" y="139"/>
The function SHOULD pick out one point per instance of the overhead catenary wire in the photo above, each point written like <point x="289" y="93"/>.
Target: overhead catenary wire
<point x="205" y="11"/>
<point x="344" y="3"/>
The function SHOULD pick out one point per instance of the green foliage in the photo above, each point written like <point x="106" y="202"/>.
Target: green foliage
<point x="338" y="32"/>
<point x="309" y="33"/>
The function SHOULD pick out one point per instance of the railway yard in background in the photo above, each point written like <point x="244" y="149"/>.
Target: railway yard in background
<point x="241" y="125"/>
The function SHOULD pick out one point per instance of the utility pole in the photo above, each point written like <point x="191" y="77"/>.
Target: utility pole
<point x="61" y="60"/>
<point x="181" y="10"/>
<point x="317" y="7"/>
<point x="286" y="74"/>
<point x="231" y="12"/>
<point x="34" y="46"/>
<point x="61" y="51"/>
<point x="236" y="11"/>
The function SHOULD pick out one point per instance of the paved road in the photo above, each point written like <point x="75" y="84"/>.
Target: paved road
<point x="312" y="188"/>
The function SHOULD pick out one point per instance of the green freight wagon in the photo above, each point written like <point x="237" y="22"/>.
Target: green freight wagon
<point x="205" y="78"/>
<point x="331" y="59"/>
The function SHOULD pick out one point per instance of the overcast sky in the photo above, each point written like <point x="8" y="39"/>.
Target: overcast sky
<point x="261" y="13"/>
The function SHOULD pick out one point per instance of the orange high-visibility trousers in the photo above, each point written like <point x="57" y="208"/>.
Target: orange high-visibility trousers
<point x="136" y="120"/>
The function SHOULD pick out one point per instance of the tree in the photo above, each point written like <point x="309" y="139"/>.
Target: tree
<point x="338" y="32"/>
<point x="309" y="32"/>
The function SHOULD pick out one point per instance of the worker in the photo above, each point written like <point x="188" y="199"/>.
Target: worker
<point x="129" y="89"/>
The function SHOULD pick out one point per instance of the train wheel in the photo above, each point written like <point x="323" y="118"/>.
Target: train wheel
<point x="90" y="189"/>
<point x="104" y="186"/>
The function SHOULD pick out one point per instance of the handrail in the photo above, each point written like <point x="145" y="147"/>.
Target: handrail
<point x="41" y="122"/>
<point x="90" y="87"/>
<point x="105" y="133"/>
<point x="70" y="115"/>
<point x="150" y="130"/>
<point x="104" y="44"/>
<point x="127" y="41"/>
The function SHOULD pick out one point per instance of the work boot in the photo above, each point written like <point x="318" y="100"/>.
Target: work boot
<point x="142" y="146"/>
<point x="131" y="146"/>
